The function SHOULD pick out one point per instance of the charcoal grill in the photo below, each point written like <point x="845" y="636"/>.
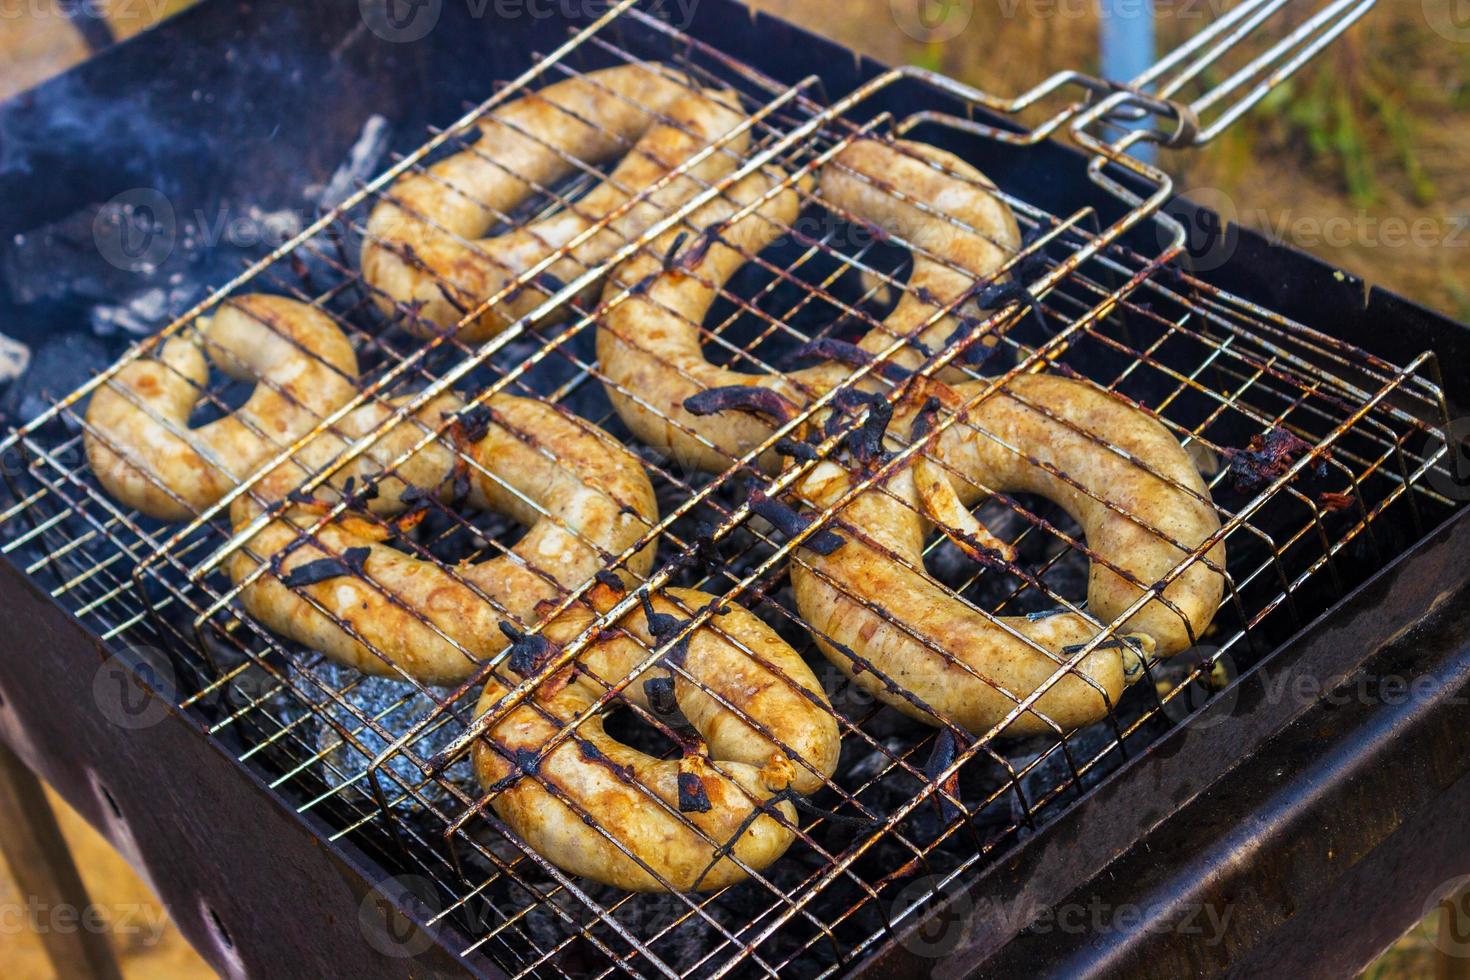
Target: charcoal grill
<point x="1268" y="799"/>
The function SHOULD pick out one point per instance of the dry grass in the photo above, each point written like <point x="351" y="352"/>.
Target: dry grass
<point x="1377" y="132"/>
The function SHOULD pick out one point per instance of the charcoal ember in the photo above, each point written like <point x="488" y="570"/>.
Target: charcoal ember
<point x="145" y="313"/>
<point x="60" y="365"/>
<point x="571" y="351"/>
<point x="1267" y="457"/>
<point x="63" y="260"/>
<point x="1054" y="771"/>
<point x="450" y="537"/>
<point x="377" y="710"/>
<point x="874" y="761"/>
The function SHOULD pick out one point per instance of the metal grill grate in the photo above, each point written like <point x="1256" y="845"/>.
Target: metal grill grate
<point x="382" y="760"/>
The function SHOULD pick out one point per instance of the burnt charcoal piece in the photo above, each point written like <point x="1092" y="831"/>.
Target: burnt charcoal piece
<point x="472" y="424"/>
<point x="672" y="251"/>
<point x="924" y="421"/>
<point x="358" y="499"/>
<point x="832" y="349"/>
<point x="844" y="352"/>
<point x="417" y="496"/>
<point x="866" y="442"/>
<point x="529" y="652"/>
<point x="351" y="563"/>
<point x="1268" y="456"/>
<point x="610" y="579"/>
<point x="796" y="450"/>
<point x="459" y="484"/>
<point x="790" y="523"/>
<point x="692" y="797"/>
<point x="664" y="628"/>
<point x="993" y="297"/>
<point x="745" y="398"/>
<point x="660" y="693"/>
<point x="706" y="548"/>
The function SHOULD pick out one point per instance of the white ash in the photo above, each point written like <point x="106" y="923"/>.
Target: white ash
<point x="147" y="312"/>
<point x="875" y="761"/>
<point x="360" y="704"/>
<point x="361" y="164"/>
<point x="15" y="357"/>
<point x="57" y="367"/>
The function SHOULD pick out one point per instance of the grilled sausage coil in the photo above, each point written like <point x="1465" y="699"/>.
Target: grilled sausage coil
<point x="649" y="344"/>
<point x="138" y="439"/>
<point x="689" y="823"/>
<point x="1141" y="516"/>
<point x="719" y="809"/>
<point x="584" y="497"/>
<point x="425" y="245"/>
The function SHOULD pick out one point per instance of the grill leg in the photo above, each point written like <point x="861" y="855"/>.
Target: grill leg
<point x="41" y="865"/>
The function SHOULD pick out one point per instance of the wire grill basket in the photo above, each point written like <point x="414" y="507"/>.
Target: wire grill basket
<point x="911" y="809"/>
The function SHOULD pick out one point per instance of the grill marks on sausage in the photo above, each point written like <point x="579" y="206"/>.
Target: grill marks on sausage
<point x="692" y="795"/>
<point x="523" y="763"/>
<point x="587" y="750"/>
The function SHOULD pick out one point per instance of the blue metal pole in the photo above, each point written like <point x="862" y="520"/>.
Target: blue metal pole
<point x="1126" y="47"/>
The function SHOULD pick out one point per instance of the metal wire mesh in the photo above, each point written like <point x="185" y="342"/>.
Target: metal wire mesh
<point x="381" y="760"/>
